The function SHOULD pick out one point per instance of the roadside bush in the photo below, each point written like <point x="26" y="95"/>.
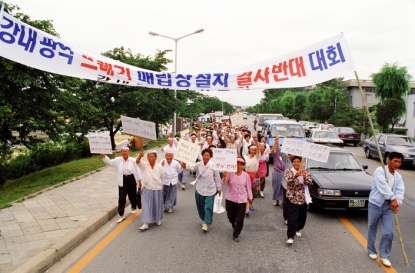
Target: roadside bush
<point x="42" y="156"/>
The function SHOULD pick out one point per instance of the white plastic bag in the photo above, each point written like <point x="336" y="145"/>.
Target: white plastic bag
<point x="217" y="204"/>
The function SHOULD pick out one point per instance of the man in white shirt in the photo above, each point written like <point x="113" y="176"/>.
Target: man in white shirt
<point x="172" y="169"/>
<point x="128" y="176"/>
<point x="170" y="147"/>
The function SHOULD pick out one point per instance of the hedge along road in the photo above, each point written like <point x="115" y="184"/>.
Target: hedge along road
<point x="331" y="241"/>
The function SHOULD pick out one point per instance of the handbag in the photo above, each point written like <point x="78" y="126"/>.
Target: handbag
<point x="139" y="198"/>
<point x="217" y="204"/>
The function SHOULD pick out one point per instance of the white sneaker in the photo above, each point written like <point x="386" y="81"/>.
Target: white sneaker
<point x="373" y="256"/>
<point x="122" y="218"/>
<point x="133" y="211"/>
<point x="262" y="194"/>
<point x="386" y="262"/>
<point x="204" y="227"/>
<point x="158" y="223"/>
<point x="286" y="222"/>
<point x="143" y="227"/>
<point x="290" y="241"/>
<point x="298" y="234"/>
<point x="169" y="210"/>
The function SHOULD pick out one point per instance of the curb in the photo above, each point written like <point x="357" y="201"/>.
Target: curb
<point x="48" y="257"/>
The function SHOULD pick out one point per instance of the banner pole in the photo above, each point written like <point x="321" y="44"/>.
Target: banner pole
<point x="2" y="11"/>
<point x="383" y="165"/>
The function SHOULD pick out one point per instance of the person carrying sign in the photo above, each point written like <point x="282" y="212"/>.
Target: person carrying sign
<point x="384" y="200"/>
<point x="238" y="192"/>
<point x="208" y="184"/>
<point x="152" y="199"/>
<point x="298" y="179"/>
<point x="251" y="167"/>
<point x="128" y="176"/>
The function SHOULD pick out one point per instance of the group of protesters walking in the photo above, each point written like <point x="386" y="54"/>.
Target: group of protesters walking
<point x="158" y="183"/>
<point x="290" y="181"/>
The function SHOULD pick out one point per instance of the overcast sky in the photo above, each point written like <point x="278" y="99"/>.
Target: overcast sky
<point x="237" y="33"/>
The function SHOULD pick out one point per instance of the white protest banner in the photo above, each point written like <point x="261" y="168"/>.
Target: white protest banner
<point x="224" y="160"/>
<point x="140" y="128"/>
<point x="317" y="63"/>
<point x="184" y="133"/>
<point x="100" y="144"/>
<point x="187" y="151"/>
<point x="237" y="119"/>
<point x="218" y="114"/>
<point x="309" y="150"/>
<point x="225" y="117"/>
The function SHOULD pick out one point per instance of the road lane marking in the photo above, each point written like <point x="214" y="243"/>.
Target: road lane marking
<point x="101" y="245"/>
<point x="400" y="170"/>
<point x="362" y="240"/>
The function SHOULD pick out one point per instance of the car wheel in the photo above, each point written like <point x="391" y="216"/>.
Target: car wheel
<point x="367" y="153"/>
<point x="386" y="159"/>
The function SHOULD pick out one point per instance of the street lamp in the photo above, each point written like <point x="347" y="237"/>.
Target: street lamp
<point x="226" y="98"/>
<point x="175" y="62"/>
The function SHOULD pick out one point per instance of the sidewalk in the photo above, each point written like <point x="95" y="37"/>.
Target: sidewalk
<point x="40" y="231"/>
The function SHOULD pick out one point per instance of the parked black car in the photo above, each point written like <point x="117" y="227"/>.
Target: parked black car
<point x="391" y="143"/>
<point x="339" y="184"/>
<point x="348" y="135"/>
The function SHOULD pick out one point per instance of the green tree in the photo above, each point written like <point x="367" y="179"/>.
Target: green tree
<point x="288" y="103"/>
<point x="392" y="82"/>
<point x="388" y="113"/>
<point x="300" y="102"/>
<point x="100" y="105"/>
<point x="31" y="100"/>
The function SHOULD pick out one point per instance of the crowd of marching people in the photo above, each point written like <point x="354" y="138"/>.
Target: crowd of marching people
<point x="158" y="183"/>
<point x="153" y="186"/>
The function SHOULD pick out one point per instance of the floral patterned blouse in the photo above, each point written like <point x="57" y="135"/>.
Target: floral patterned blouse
<point x="295" y="188"/>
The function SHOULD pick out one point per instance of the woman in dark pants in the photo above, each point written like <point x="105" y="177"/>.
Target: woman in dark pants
<point x="238" y="192"/>
<point x="298" y="181"/>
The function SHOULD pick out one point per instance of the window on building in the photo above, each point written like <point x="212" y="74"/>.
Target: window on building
<point x="369" y="90"/>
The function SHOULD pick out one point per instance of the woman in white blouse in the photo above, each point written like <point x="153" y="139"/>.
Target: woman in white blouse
<point x="152" y="199"/>
<point x="208" y="184"/>
<point x="251" y="167"/>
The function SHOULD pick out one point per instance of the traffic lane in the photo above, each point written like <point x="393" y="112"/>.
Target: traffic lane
<point x="406" y="216"/>
<point x="179" y="245"/>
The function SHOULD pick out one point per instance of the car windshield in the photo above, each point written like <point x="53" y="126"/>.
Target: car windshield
<point x="264" y="118"/>
<point x="337" y="161"/>
<point x="287" y="130"/>
<point x="347" y="130"/>
<point x="325" y="134"/>
<point x="399" y="141"/>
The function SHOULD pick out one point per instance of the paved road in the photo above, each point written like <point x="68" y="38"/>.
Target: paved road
<point x="179" y="245"/>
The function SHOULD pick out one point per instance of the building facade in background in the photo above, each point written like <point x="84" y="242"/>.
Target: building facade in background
<point x="355" y="99"/>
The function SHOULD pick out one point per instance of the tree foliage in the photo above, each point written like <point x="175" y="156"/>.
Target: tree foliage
<point x="30" y="98"/>
<point x="388" y="113"/>
<point x="392" y="82"/>
<point x="100" y="105"/>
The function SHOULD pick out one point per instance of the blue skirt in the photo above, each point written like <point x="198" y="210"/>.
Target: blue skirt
<point x="152" y="206"/>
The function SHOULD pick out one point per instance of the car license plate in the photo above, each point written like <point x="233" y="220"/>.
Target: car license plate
<point x="351" y="136"/>
<point x="356" y="203"/>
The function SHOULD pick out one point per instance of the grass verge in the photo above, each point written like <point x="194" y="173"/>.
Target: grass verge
<point x="27" y="186"/>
